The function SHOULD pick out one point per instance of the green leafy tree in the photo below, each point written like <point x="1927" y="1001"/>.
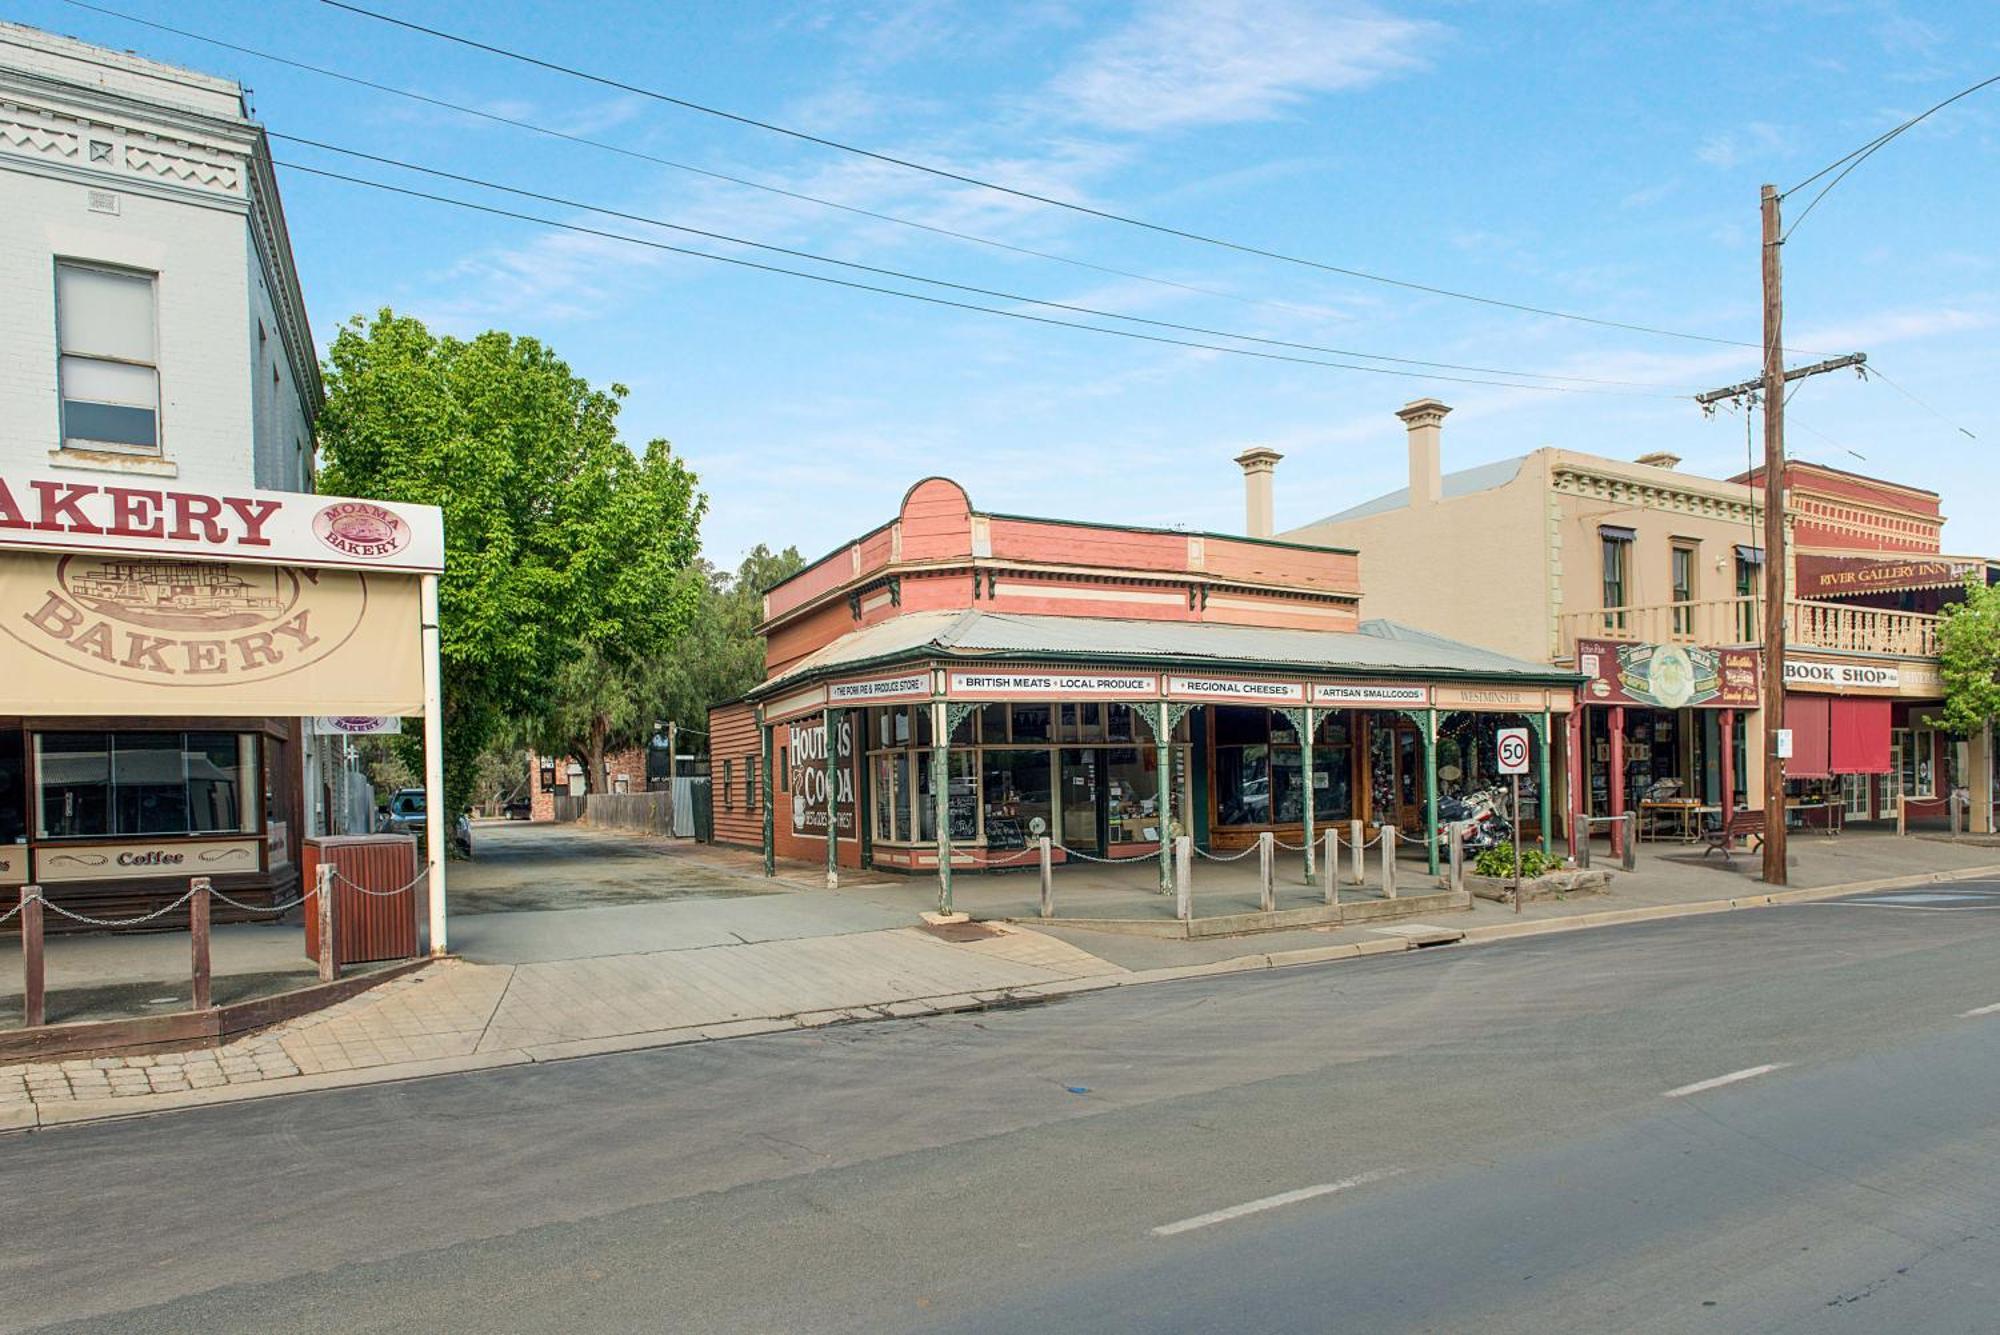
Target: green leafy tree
<point x="561" y="543"/>
<point x="722" y="655"/>
<point x="1969" y="647"/>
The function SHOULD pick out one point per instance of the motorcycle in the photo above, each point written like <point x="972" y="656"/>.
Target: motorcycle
<point x="1478" y="817"/>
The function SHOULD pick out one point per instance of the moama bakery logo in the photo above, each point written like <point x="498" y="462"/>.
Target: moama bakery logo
<point x="359" y="528"/>
<point x="171" y="622"/>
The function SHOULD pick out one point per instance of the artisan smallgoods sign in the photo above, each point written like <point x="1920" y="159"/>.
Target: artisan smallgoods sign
<point x="806" y="761"/>
<point x="1046" y="685"/>
<point x="1360" y="694"/>
<point x="280" y="527"/>
<point x="1668" y="676"/>
<point x="110" y="634"/>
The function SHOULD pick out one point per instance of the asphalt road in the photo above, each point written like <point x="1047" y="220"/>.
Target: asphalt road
<point x="1489" y="1138"/>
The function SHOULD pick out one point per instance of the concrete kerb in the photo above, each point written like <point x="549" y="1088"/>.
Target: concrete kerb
<point x="30" y="1117"/>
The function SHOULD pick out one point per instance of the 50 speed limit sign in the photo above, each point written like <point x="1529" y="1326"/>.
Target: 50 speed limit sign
<point x="1513" y="750"/>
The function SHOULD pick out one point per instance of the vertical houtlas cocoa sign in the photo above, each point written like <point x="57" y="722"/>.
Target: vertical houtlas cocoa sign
<point x="806" y="761"/>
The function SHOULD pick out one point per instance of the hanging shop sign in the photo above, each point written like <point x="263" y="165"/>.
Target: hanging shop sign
<point x="880" y="688"/>
<point x="1244" y="689"/>
<point x="130" y="861"/>
<point x="1842" y="676"/>
<point x="806" y="760"/>
<point x="354" y="725"/>
<point x="1068" y="685"/>
<point x="53" y="513"/>
<point x="1668" y="676"/>
<point x="121" y="635"/>
<point x="1358" y="695"/>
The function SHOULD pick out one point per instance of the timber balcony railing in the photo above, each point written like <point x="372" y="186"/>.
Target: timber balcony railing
<point x="1808" y="625"/>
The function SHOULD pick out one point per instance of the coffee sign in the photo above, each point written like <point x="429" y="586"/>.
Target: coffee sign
<point x="167" y="857"/>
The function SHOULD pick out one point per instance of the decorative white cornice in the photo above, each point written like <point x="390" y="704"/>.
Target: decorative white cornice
<point x="1605" y="485"/>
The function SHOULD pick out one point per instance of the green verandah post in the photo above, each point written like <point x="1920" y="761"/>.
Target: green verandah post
<point x="1547" y="795"/>
<point x="941" y="799"/>
<point x="770" y="846"/>
<point x="1430" y="788"/>
<point x="831" y="723"/>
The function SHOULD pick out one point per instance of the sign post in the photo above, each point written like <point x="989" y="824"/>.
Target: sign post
<point x="1513" y="747"/>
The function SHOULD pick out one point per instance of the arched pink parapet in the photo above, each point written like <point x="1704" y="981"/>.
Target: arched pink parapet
<point x="936" y="520"/>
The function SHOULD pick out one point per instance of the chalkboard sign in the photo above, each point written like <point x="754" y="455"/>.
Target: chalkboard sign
<point x="1004" y="832"/>
<point x="964" y="817"/>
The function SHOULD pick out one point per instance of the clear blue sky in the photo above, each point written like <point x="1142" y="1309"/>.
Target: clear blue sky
<point x="1596" y="158"/>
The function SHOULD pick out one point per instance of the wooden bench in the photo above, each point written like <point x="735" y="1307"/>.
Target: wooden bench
<point x="1741" y="827"/>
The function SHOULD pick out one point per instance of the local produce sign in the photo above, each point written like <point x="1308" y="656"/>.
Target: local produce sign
<point x="1015" y="685"/>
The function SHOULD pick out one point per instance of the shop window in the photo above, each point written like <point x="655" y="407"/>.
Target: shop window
<point x="1749" y="565"/>
<point x="109" y="359"/>
<point x="1333" y="769"/>
<point x="1133" y="795"/>
<point x="98" y="784"/>
<point x="1031" y="723"/>
<point x="1082" y="722"/>
<point x="961" y="800"/>
<point x="728" y="785"/>
<point x="1016" y="787"/>
<point x="1119" y="723"/>
<point x="750" y="783"/>
<point x="992" y="724"/>
<point x="13" y="788"/>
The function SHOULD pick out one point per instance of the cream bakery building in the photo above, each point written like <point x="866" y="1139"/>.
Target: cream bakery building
<point x="162" y="652"/>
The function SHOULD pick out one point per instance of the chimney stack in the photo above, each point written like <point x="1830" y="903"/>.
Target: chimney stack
<point x="1425" y="420"/>
<point x="1257" y="463"/>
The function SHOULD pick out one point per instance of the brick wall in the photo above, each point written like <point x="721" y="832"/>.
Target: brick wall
<point x="625" y="771"/>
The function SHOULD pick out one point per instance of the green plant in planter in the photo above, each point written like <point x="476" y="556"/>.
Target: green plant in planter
<point x="1498" y="862"/>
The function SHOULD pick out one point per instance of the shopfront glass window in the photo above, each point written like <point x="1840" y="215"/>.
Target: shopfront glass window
<point x="1243" y="785"/>
<point x="1032" y="723"/>
<point x="962" y="797"/>
<point x="74" y="770"/>
<point x="1333" y="770"/>
<point x="1132" y="797"/>
<point x="149" y="783"/>
<point x="1015" y="789"/>
<point x="13" y="788"/>
<point x="884" y="784"/>
<point x="1287" y="785"/>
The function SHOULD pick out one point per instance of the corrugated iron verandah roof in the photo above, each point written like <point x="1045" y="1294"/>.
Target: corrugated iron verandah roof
<point x="1378" y="648"/>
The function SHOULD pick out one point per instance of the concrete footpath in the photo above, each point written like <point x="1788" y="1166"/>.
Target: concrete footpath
<point x="774" y="962"/>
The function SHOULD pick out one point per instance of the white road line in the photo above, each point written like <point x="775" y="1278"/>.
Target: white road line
<point x="1273" y="1202"/>
<point x="1748" y="1073"/>
<point x="1979" y="1010"/>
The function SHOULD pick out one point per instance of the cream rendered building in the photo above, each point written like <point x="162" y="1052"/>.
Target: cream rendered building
<point x="1616" y="567"/>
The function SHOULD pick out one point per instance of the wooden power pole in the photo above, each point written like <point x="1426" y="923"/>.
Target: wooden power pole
<point x="1770" y="388"/>
<point x="1774" y="542"/>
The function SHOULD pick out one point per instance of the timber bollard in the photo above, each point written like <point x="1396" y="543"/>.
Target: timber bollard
<point x="1329" y="869"/>
<point x="1388" y="862"/>
<point x="1629" y="858"/>
<point x="1355" y="839"/>
<point x="34" y="965"/>
<point x="1456" y="867"/>
<point x="1184" y="878"/>
<point x="198" y="908"/>
<point x="1048" y="879"/>
<point x="1267" y="889"/>
<point x="329" y="959"/>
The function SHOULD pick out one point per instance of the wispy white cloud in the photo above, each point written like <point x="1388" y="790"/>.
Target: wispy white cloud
<point x="1733" y="148"/>
<point x="1217" y="62"/>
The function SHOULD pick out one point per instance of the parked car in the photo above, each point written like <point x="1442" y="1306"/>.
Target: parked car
<point x="519" y="808"/>
<point x="406" y="813"/>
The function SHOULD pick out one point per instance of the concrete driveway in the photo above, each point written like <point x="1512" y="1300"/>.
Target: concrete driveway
<point x="518" y="866"/>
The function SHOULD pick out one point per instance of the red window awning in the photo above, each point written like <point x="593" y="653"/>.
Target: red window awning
<point x="1858" y="733"/>
<point x="1806" y="716"/>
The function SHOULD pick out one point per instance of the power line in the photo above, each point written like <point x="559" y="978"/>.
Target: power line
<point x="851" y="284"/>
<point x="908" y="277"/>
<point x="1018" y="193"/>
<point x="747" y="182"/>
<point x="1876" y="372"/>
<point x="1868" y="150"/>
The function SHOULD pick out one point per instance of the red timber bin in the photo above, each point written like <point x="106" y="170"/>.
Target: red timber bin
<point x="378" y="926"/>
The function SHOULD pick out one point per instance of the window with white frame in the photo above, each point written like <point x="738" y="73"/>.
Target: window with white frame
<point x="105" y="320"/>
